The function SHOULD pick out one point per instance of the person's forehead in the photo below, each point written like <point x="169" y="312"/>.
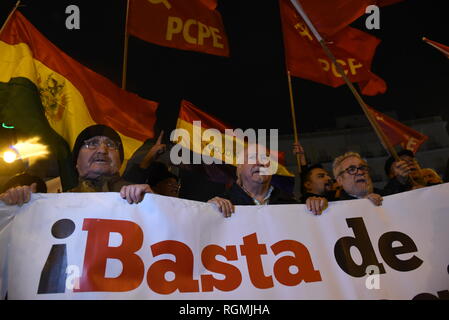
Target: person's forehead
<point x="353" y="160"/>
<point x="318" y="171"/>
<point x="99" y="138"/>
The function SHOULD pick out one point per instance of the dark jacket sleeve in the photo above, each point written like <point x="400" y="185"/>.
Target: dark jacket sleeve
<point x="394" y="186"/>
<point x="136" y="174"/>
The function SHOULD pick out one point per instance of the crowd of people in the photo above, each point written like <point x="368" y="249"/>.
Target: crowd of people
<point x="98" y="156"/>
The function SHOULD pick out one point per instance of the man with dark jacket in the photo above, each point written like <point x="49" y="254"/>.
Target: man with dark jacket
<point x="253" y="186"/>
<point x="352" y="173"/>
<point x="316" y="182"/>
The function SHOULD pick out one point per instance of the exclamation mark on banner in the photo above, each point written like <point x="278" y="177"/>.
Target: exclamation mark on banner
<point x="53" y="276"/>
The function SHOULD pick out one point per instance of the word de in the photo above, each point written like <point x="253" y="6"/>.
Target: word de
<point x="362" y="242"/>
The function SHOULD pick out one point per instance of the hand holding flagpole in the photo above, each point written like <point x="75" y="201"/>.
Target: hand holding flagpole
<point x="383" y="139"/>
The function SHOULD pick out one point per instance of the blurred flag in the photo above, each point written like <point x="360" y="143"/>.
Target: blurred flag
<point x="193" y="25"/>
<point x="398" y="133"/>
<point x="332" y="16"/>
<point x="214" y="149"/>
<point x="45" y="93"/>
<point x="306" y="59"/>
<point x="440" y="47"/>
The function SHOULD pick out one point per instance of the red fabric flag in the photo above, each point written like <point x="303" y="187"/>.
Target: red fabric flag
<point x="306" y="59"/>
<point x="188" y="25"/>
<point x="398" y="133"/>
<point x="330" y="17"/>
<point x="440" y="47"/>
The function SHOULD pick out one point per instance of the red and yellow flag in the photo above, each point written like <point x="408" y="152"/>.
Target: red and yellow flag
<point x="398" y="133"/>
<point x="193" y="25"/>
<point x="306" y="59"/>
<point x="73" y="96"/>
<point x="209" y="146"/>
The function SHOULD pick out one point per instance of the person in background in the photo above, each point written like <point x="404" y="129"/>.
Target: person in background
<point x="404" y="175"/>
<point x="431" y="177"/>
<point x="137" y="169"/>
<point x="314" y="180"/>
<point x="162" y="181"/>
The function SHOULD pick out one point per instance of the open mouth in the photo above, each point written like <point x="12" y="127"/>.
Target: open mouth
<point x="101" y="161"/>
<point x="360" y="180"/>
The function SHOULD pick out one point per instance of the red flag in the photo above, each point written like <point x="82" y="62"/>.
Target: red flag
<point x="188" y="25"/>
<point x="306" y="59"/>
<point x="440" y="47"/>
<point x="330" y="17"/>
<point x="398" y="133"/>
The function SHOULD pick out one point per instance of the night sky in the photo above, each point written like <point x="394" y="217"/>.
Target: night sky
<point x="250" y="89"/>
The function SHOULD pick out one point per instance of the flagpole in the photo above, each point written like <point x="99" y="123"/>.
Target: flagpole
<point x="436" y="47"/>
<point x="9" y="16"/>
<point x="125" y="49"/>
<point x="292" y="108"/>
<point x="380" y="134"/>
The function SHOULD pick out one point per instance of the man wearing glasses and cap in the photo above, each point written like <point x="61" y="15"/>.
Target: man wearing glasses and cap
<point x="98" y="155"/>
<point x="352" y="173"/>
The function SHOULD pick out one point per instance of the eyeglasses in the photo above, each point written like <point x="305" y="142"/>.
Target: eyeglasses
<point x="95" y="144"/>
<point x="352" y="170"/>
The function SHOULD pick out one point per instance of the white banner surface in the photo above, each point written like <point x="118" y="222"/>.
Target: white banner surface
<point x="97" y="246"/>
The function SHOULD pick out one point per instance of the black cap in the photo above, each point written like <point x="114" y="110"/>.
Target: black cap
<point x="390" y="160"/>
<point x="94" y="131"/>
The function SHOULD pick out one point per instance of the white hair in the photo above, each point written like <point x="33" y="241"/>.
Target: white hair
<point x="338" y="160"/>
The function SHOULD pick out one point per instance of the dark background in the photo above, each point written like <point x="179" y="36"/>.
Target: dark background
<point x="250" y="89"/>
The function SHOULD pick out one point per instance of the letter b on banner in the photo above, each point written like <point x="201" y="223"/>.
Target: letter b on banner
<point x="98" y="252"/>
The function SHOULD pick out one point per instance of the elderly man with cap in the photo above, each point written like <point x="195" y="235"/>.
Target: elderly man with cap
<point x="404" y="175"/>
<point x="98" y="155"/>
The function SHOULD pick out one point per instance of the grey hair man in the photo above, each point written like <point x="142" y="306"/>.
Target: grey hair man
<point x="253" y="186"/>
<point x="352" y="172"/>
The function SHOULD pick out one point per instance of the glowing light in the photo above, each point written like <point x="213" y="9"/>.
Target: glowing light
<point x="31" y="150"/>
<point x="6" y="126"/>
<point x="9" y="156"/>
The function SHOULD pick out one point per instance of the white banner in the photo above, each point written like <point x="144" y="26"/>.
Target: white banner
<point x="97" y="246"/>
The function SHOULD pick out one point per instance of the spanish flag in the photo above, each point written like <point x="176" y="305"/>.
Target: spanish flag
<point x="194" y="122"/>
<point x="46" y="93"/>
